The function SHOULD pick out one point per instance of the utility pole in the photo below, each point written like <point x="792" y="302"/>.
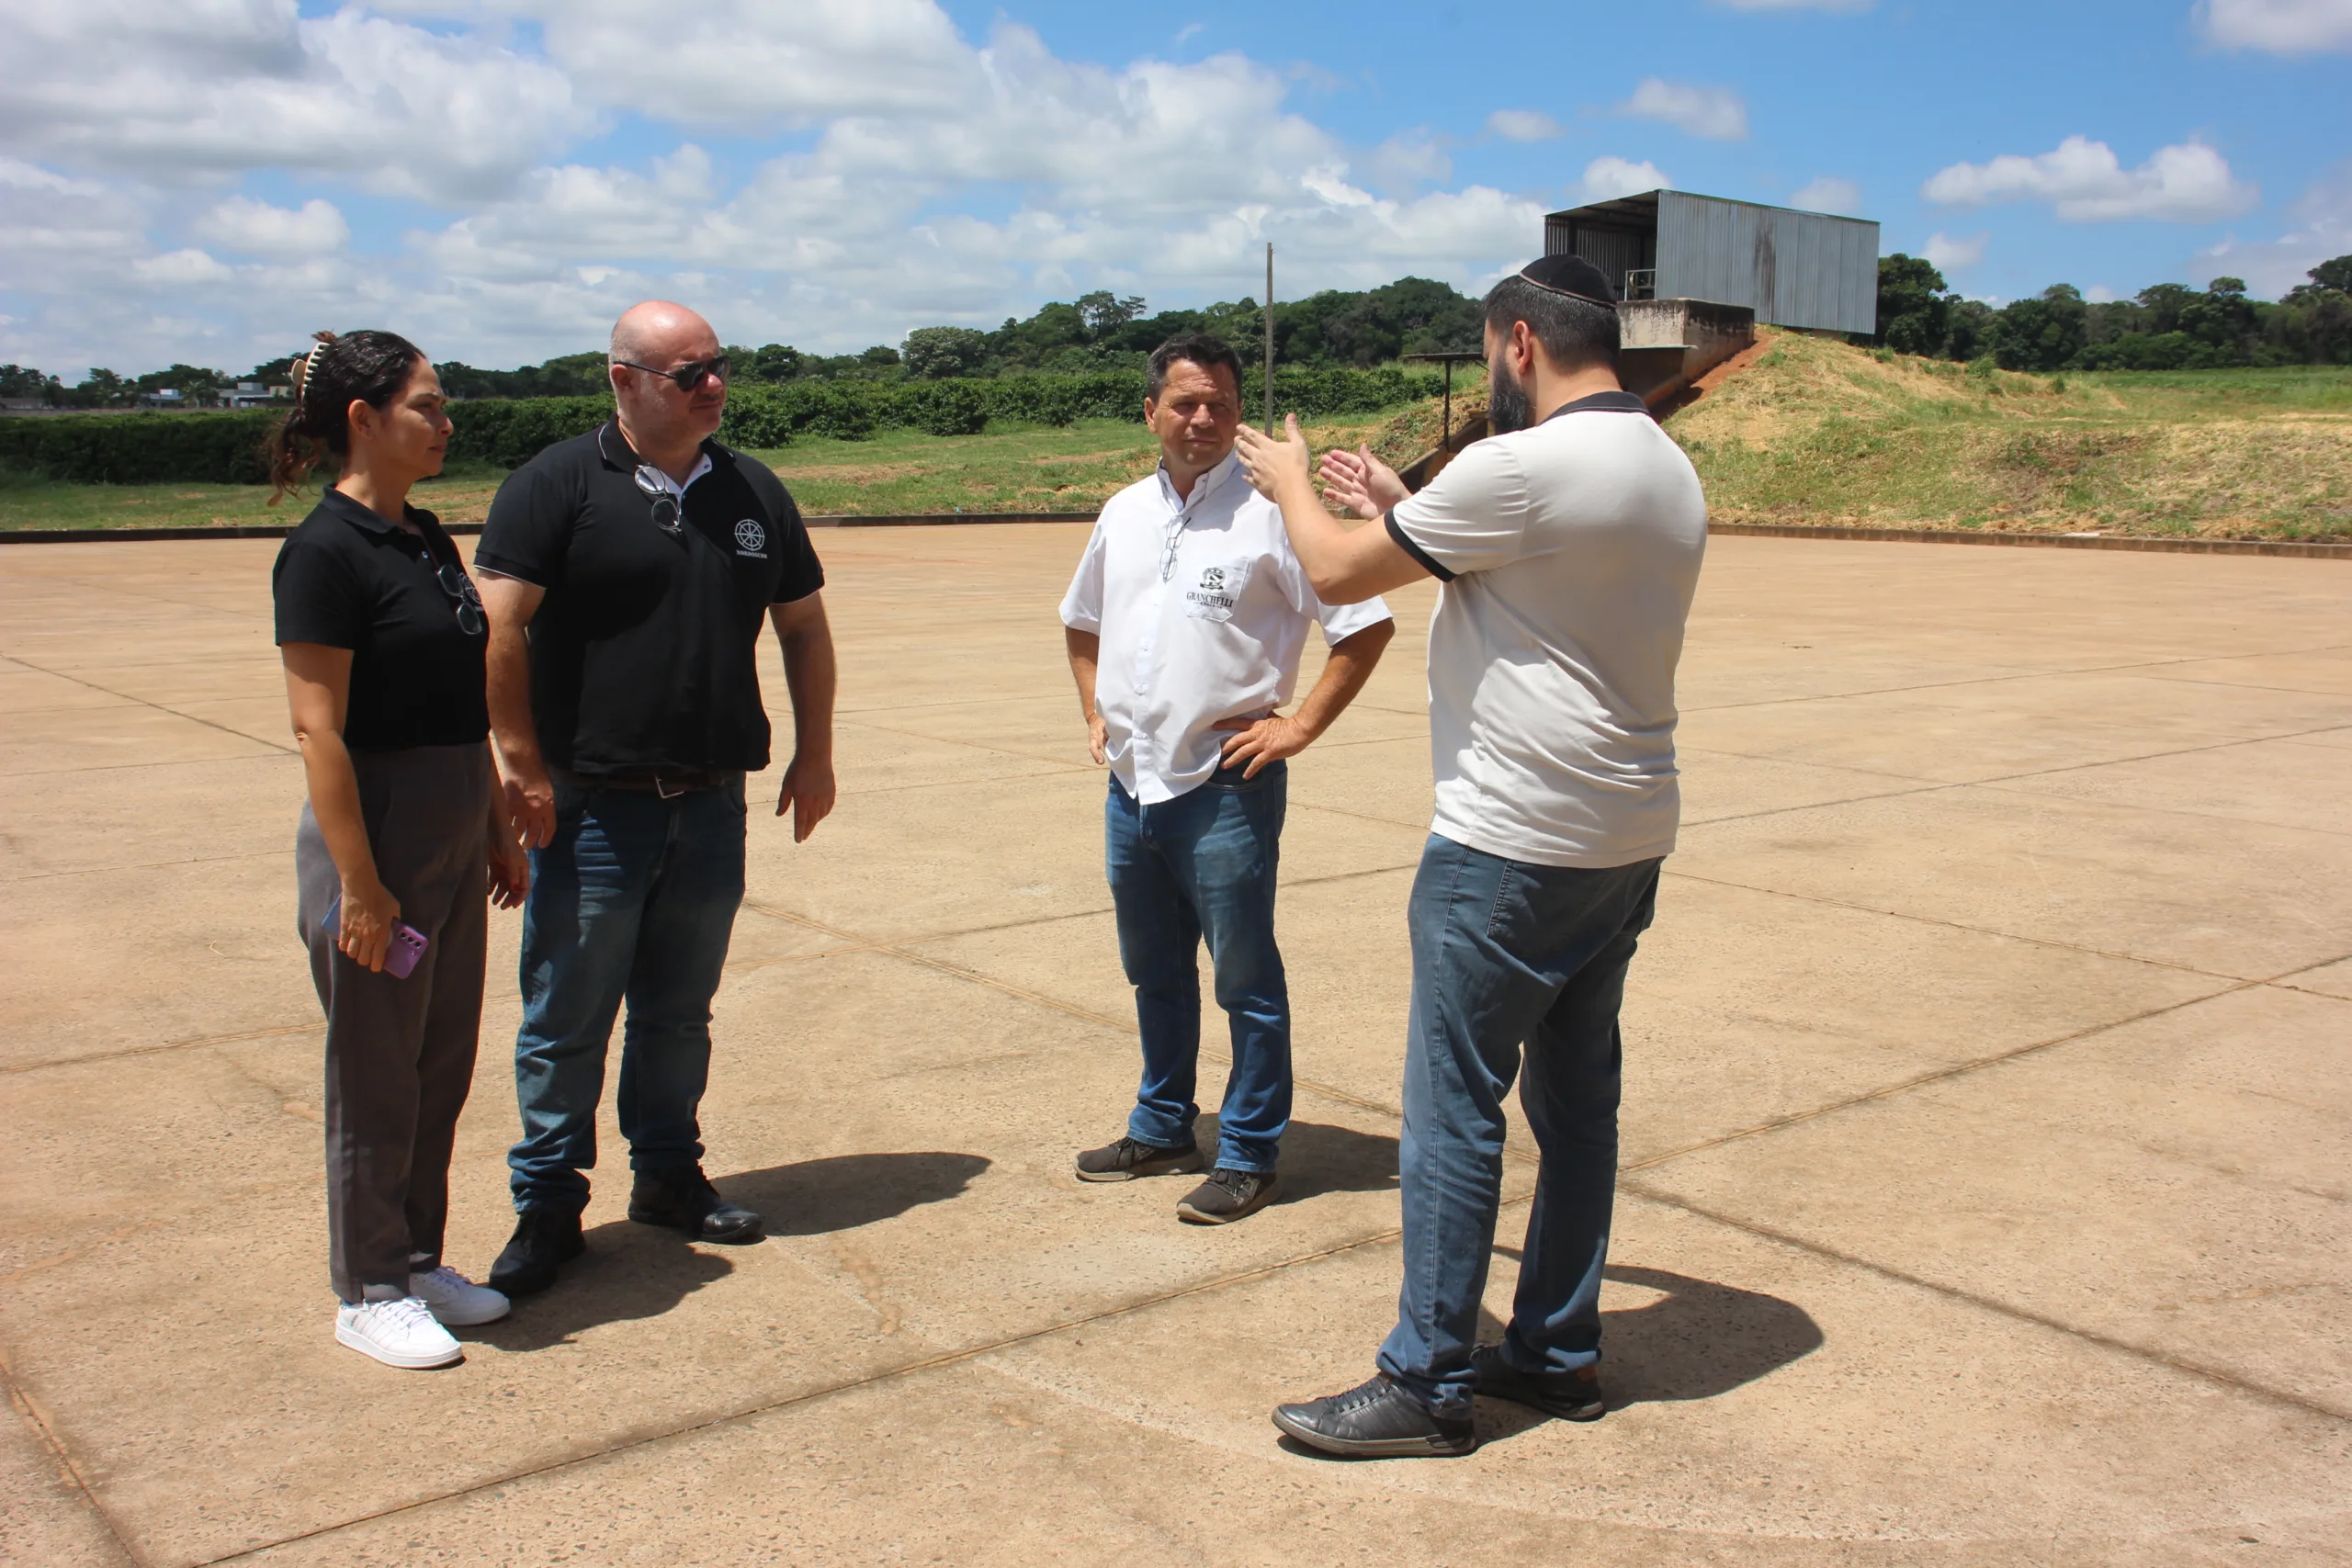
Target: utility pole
<point x="1270" y="337"/>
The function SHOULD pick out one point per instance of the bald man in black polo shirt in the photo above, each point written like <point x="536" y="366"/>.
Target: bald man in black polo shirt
<point x="626" y="573"/>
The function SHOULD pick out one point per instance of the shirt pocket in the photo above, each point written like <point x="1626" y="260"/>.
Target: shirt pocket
<point x="1217" y="588"/>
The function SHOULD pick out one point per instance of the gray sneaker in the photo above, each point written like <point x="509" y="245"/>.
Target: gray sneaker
<point x="1131" y="1157"/>
<point x="1228" y="1195"/>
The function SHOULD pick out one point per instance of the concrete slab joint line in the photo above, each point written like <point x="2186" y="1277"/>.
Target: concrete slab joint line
<point x="21" y="1404"/>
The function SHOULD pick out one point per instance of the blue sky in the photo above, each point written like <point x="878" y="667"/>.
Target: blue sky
<point x="211" y="179"/>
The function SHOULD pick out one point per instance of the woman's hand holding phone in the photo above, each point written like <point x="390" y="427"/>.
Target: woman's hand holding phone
<point x="364" y="924"/>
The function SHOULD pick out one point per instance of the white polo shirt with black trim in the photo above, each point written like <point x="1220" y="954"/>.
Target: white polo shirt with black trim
<point x="1569" y="554"/>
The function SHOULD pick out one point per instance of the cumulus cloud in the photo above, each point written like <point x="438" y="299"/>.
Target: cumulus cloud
<point x="255" y="228"/>
<point x="1828" y="193"/>
<point x="1523" y="125"/>
<point x="2281" y="27"/>
<point x="882" y="171"/>
<point x="2323" y="217"/>
<point x="1955" y="253"/>
<point x="1608" y="177"/>
<point x="1717" y="113"/>
<point x="2085" y="183"/>
<point x="211" y="88"/>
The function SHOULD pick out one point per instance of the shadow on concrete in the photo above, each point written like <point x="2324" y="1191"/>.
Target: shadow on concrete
<point x="1697" y="1340"/>
<point x="629" y="1272"/>
<point x="819" y="1196"/>
<point x="637" y="1271"/>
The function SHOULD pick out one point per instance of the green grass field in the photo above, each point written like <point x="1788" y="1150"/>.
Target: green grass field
<point x="1022" y="468"/>
<point x="1814" y="432"/>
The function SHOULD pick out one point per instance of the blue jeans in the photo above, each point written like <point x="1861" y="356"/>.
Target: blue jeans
<point x="1507" y="954"/>
<point x="1203" y="866"/>
<point x="634" y="899"/>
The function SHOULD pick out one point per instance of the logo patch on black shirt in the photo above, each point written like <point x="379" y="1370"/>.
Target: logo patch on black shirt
<point x="750" y="539"/>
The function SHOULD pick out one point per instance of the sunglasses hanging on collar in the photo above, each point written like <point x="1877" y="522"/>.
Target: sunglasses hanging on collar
<point x="665" y="505"/>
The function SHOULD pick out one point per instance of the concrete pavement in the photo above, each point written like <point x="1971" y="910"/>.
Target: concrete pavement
<point x="1988" y="1072"/>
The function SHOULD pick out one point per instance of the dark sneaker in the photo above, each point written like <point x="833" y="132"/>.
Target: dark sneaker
<point x="1571" y="1396"/>
<point x="1228" y="1195"/>
<point x="545" y="1239"/>
<point x="683" y="1198"/>
<point x="1376" y="1420"/>
<point x="1131" y="1157"/>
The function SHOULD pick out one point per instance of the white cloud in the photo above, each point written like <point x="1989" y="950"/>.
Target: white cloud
<point x="182" y="267"/>
<point x="2322" y="229"/>
<point x="1954" y="254"/>
<point x="1826" y="193"/>
<point x="2281" y="27"/>
<point x="1716" y="113"/>
<point x="2100" y="294"/>
<point x="2084" y="182"/>
<point x="1607" y="178"/>
<point x="1523" y="125"/>
<point x="208" y="88"/>
<point x="255" y="228"/>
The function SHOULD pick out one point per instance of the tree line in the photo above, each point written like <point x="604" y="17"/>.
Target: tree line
<point x="1095" y="332"/>
<point x="2169" y="326"/>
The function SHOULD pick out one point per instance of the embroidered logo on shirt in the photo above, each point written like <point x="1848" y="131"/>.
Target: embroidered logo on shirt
<point x="750" y="539"/>
<point x="1219" y="590"/>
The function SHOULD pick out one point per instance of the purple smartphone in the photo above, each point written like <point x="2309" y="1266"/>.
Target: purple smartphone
<point x="401" y="954"/>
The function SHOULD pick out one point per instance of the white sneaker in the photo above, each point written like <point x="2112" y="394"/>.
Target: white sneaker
<point x="456" y="1300"/>
<point x="398" y="1333"/>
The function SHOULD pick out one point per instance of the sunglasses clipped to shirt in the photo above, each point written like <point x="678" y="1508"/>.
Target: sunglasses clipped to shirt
<point x="690" y="375"/>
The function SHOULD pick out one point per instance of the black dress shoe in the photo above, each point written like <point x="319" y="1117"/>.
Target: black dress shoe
<point x="1376" y="1420"/>
<point x="679" y="1198"/>
<point x="1571" y="1396"/>
<point x="545" y="1239"/>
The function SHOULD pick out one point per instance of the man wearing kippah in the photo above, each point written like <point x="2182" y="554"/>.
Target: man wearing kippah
<point x="1568" y="543"/>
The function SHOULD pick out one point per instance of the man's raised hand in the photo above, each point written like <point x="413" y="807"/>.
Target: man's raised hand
<point x="1361" y="483"/>
<point x="1270" y="461"/>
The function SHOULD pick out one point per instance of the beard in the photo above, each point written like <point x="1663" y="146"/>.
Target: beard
<point x="1508" y="406"/>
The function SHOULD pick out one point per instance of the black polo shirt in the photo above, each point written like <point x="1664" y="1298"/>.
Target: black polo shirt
<point x="403" y="605"/>
<point x="642" y="653"/>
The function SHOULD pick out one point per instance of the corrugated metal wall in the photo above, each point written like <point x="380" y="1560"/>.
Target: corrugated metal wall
<point x="1794" y="269"/>
<point x="1615" y="251"/>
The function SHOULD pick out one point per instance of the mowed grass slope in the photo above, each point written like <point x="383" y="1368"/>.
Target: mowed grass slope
<point x="1817" y="431"/>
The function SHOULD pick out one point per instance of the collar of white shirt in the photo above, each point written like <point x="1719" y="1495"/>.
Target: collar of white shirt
<point x="1202" y="487"/>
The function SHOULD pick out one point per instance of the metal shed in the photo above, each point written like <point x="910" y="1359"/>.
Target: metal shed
<point x="1793" y="269"/>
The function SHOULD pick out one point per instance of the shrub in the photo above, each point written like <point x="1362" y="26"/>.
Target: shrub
<point x="225" y="448"/>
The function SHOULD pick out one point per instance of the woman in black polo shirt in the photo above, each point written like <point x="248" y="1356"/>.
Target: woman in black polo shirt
<point x="382" y="637"/>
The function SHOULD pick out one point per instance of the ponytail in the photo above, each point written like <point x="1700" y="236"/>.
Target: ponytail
<point x="363" y="366"/>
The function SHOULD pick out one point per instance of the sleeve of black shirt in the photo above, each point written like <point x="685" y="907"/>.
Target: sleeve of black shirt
<point x="802" y="572"/>
<point x="529" y="527"/>
<point x="317" y="596"/>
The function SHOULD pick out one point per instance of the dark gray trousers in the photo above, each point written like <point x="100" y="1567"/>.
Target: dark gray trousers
<point x="401" y="1052"/>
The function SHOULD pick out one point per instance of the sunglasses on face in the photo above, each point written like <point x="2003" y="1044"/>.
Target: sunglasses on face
<point x="690" y="375"/>
<point x="665" y="505"/>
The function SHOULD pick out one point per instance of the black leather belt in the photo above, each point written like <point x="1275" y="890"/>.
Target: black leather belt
<point x="669" y="786"/>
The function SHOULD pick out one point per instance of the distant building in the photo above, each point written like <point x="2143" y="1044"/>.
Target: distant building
<point x="23" y="405"/>
<point x="252" y="395"/>
<point x="1807" y="270"/>
<point x="163" y="397"/>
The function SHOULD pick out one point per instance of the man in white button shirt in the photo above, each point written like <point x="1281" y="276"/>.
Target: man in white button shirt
<point x="1184" y="622"/>
<point x="1568" y="543"/>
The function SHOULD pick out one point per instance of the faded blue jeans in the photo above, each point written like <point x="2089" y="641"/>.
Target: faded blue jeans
<point x="1203" y="866"/>
<point x="634" y="899"/>
<point x="1507" y="954"/>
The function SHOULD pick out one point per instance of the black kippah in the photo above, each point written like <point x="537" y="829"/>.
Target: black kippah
<point x="1572" y="276"/>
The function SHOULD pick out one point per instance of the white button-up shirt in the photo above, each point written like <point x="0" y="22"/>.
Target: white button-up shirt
<point x="1203" y="611"/>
